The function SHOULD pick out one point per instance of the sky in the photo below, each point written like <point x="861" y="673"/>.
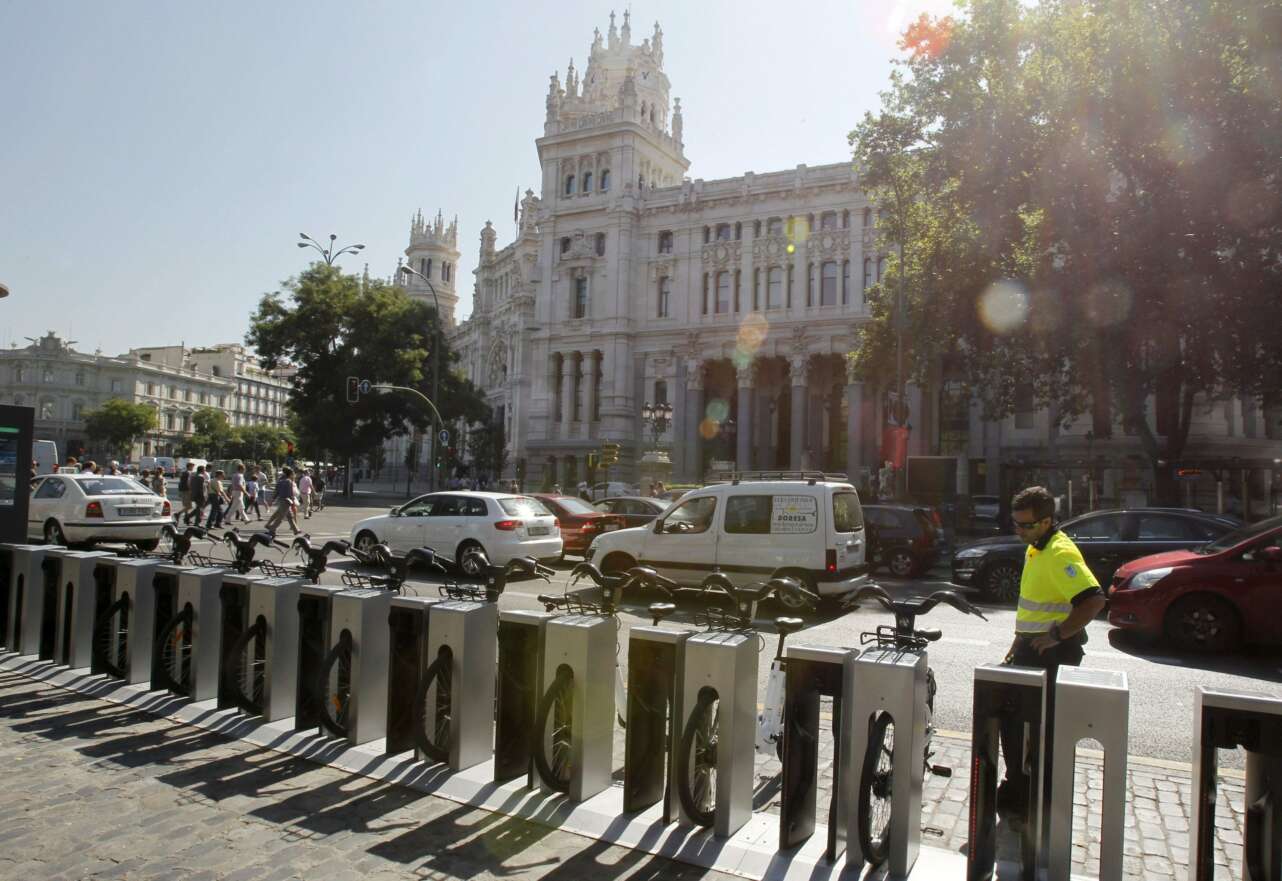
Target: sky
<point x="159" y="160"/>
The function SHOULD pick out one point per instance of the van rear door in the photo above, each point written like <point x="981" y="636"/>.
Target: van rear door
<point x="846" y="532"/>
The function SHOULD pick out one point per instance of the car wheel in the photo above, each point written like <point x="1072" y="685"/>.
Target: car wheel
<point x="366" y="541"/>
<point x="471" y="559"/>
<point x="1001" y="582"/>
<point x="617" y="564"/>
<point x="792" y="603"/>
<point x="53" y="534"/>
<point x="1203" y="623"/>
<point x="901" y="563"/>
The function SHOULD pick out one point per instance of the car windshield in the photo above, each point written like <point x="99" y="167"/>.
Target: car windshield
<point x="576" y="506"/>
<point x="1237" y="536"/>
<point x="523" y="506"/>
<point x="109" y="486"/>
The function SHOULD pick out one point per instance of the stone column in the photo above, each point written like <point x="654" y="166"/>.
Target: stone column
<point x="694" y="416"/>
<point x="799" y="369"/>
<point x="854" y="423"/>
<point x="567" y="392"/>
<point x="678" y="429"/>
<point x="590" y="374"/>
<point x="743" y="441"/>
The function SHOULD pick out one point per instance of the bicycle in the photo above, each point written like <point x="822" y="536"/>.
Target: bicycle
<point x="876" y="783"/>
<point x="315" y="560"/>
<point x="244" y="549"/>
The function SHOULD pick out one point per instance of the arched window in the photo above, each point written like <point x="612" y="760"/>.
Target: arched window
<point x="446" y="269"/>
<point x="665" y="296"/>
<point x="828" y="220"/>
<point x="828" y="295"/>
<point x="47" y="410"/>
<point x="660" y="391"/>
<point x="774" y="226"/>
<point x="600" y="244"/>
<point x="867" y="273"/>
<point x="665" y="242"/>
<point x="587" y="181"/>
<point x="580" y="297"/>
<point x="605" y="180"/>
<point x="774" y="288"/>
<point x="565" y="245"/>
<point x="724" y="232"/>
<point x="569" y="185"/>
<point x="867" y="218"/>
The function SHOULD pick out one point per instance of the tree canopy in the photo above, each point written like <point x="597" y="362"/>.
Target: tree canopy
<point x="1089" y="201"/>
<point x="330" y="326"/>
<point x="118" y="423"/>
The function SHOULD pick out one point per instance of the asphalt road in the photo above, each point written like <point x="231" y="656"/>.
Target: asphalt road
<point x="1161" y="683"/>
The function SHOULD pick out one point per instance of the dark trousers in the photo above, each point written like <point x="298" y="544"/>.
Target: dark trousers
<point x="1012" y="733"/>
<point x="215" y="513"/>
<point x="251" y="503"/>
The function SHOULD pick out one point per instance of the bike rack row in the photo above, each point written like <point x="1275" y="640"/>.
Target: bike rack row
<point x="462" y="683"/>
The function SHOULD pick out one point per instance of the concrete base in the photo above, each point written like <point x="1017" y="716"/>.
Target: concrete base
<point x="750" y="853"/>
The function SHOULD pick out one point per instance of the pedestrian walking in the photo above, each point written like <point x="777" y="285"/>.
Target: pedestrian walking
<point x="217" y="501"/>
<point x="158" y="482"/>
<point x="284" y="502"/>
<point x="318" y="490"/>
<point x="305" y="493"/>
<point x="199" y="494"/>
<point x="1058" y="598"/>
<point x="184" y="492"/>
<point x="252" y="492"/>
<point x="237" y="493"/>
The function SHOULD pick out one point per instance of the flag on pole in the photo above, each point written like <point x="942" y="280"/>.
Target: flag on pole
<point x="516" y="205"/>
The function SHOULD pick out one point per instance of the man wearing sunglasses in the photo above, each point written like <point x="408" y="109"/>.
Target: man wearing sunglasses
<point x="1058" y="598"/>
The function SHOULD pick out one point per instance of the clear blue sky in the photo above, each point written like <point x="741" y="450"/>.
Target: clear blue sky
<point x="158" y="160"/>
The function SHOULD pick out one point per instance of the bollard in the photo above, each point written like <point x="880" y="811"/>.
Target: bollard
<point x="812" y="672"/>
<point x="717" y="700"/>
<point x="73" y="637"/>
<point x="458" y="719"/>
<point x="892" y="682"/>
<point x="1088" y="703"/>
<point x="354" y="676"/>
<point x="1004" y="694"/>
<point x="576" y="686"/>
<point x="407" y="637"/>
<point x="520" y="649"/>
<point x="1227" y="720"/>
<point x="656" y="664"/>
<point x="198" y="591"/>
<point x="125" y="636"/>
<point x="314" y="611"/>
<point x="25" y="597"/>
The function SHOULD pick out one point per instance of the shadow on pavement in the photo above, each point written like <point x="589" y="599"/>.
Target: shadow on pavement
<point x="1262" y="664"/>
<point x="465" y="841"/>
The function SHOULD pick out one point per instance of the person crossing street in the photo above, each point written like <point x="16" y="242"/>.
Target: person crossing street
<point x="284" y="502"/>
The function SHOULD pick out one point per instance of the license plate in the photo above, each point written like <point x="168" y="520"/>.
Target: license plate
<point x="133" y="512"/>
<point x="539" y="530"/>
<point x="610" y="527"/>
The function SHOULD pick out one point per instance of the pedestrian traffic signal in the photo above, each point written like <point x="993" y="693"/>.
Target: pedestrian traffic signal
<point x="609" y="453"/>
<point x="593" y="461"/>
<point x="353" y="389"/>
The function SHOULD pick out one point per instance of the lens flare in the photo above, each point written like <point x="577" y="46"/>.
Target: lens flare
<point x="1004" y="306"/>
<point x="708" y="429"/>
<point x="1108" y="303"/>
<point x="717" y="410"/>
<point x="751" y="337"/>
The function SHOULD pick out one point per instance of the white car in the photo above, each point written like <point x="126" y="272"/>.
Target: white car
<point x="750" y="530"/>
<point x="502" y="525"/>
<point x="74" y="508"/>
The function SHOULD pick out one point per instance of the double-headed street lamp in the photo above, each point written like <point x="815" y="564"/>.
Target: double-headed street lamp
<point x="436" y="360"/>
<point x="658" y="417"/>
<point x="329" y="254"/>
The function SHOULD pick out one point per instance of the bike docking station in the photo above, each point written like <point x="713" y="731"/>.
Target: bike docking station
<point x="878" y="683"/>
<point x="171" y="642"/>
<point x="520" y="639"/>
<point x="656" y="663"/>
<point x="24" y="601"/>
<point x="812" y="672"/>
<point x="353" y="678"/>
<point x="1005" y="695"/>
<point x="315" y="602"/>
<point x="456" y="695"/>
<point x="1228" y="720"/>
<point x="197" y="630"/>
<point x="124" y="619"/>
<point x="47" y="601"/>
<point x="407" y="624"/>
<point x="274" y="601"/>
<point x="73" y="639"/>
<point x="242" y="641"/>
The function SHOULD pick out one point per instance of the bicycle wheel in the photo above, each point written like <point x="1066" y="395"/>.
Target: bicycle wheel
<point x="335" y="686"/>
<point x="245" y="668"/>
<point x="173" y="652"/>
<point x="697" y="759"/>
<point x="111" y="638"/>
<point x="432" y="731"/>
<point x="552" y="747"/>
<point x="875" y="787"/>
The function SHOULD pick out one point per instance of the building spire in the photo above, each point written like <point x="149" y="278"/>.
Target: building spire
<point x="614" y="32"/>
<point x="627" y="27"/>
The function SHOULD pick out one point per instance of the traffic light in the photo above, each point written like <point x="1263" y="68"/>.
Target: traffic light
<point x="353" y="389"/>
<point x="593" y="461"/>
<point x="609" y="453"/>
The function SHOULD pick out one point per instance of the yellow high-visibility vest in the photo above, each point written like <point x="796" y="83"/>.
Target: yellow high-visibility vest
<point x="1052" y="576"/>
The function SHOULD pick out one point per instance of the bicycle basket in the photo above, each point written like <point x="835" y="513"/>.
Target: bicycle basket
<point x="276" y="570"/>
<point x="358" y="579"/>
<point x="454" y="591"/>
<point x="199" y="559"/>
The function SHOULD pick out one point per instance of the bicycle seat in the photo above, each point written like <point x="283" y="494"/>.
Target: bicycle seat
<point x="929" y="635"/>
<point x="786" y="626"/>
<point x="548" y="599"/>
<point x="659" y="611"/>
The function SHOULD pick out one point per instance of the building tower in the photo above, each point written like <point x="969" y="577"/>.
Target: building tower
<point x="433" y="252"/>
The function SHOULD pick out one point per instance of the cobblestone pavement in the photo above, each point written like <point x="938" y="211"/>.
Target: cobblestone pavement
<point x="96" y="790"/>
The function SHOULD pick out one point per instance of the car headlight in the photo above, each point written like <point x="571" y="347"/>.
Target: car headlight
<point x="1148" y="578"/>
<point x="969" y="554"/>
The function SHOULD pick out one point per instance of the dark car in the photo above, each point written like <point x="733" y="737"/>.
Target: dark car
<point x="635" y="510"/>
<point x="1213" y="598"/>
<point x="579" y="521"/>
<point x="905" y="539"/>
<point x="1107" y="539"/>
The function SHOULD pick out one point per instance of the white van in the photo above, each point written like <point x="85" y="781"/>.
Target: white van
<point x="44" y="455"/>
<point x="811" y="529"/>
<point x="151" y="463"/>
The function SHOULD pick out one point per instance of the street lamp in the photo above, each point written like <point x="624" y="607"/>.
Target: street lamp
<point x="329" y="254"/>
<point x="658" y="417"/>
<point x="436" y="360"/>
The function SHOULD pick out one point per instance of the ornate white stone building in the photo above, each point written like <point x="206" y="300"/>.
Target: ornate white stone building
<point x="733" y="300"/>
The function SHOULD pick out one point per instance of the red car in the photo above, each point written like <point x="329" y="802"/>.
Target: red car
<point x="580" y="522"/>
<point x="1218" y="597"/>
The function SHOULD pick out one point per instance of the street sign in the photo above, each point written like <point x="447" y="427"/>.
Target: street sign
<point x="445" y="437"/>
<point x="364" y="386"/>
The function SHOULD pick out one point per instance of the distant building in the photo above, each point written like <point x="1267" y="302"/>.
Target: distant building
<point x="261" y="396"/>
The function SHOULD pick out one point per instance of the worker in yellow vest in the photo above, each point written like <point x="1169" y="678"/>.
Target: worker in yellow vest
<point x="1058" y="597"/>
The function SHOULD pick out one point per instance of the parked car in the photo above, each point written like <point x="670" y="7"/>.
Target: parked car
<point x="1107" y="539"/>
<point x="579" y="521"/>
<point x="1213" y="598"/>
<point x="611" y="488"/>
<point x="903" y="538"/>
<point x="502" y="525"/>
<point x="750" y="530"/>
<point x="85" y="508"/>
<point x="635" y="510"/>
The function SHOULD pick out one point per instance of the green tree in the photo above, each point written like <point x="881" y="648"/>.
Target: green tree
<point x="487" y="448"/>
<point x="1088" y="201"/>
<point x="255" y="442"/>
<point x="118" y="423"/>
<point x="329" y="327"/>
